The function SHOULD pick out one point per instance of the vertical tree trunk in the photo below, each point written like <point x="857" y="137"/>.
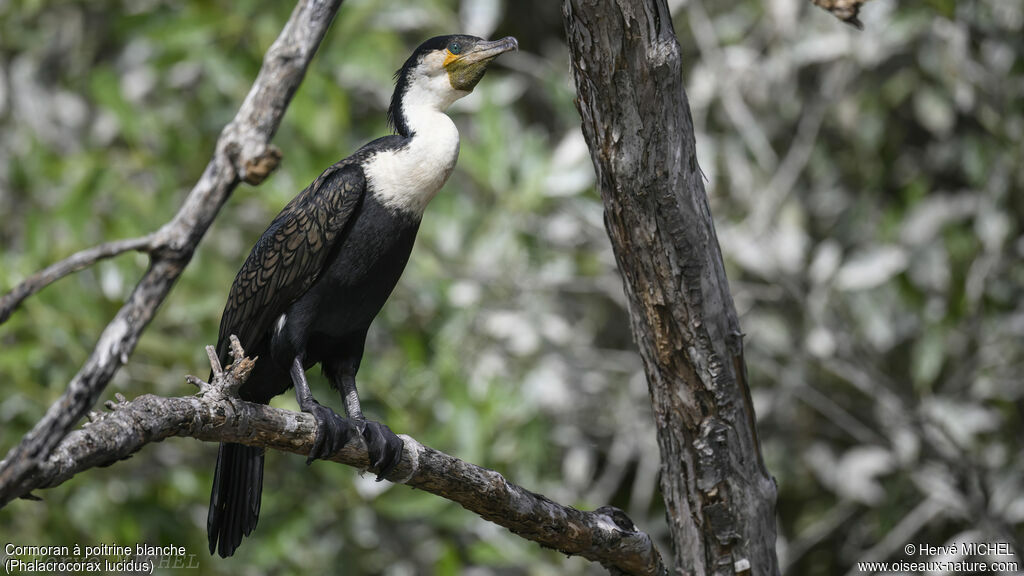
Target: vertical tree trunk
<point x="636" y="120"/>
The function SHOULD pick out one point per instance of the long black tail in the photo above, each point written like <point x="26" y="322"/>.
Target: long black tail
<point x="235" y="499"/>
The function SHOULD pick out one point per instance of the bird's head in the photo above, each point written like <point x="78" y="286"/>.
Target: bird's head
<point x="442" y="70"/>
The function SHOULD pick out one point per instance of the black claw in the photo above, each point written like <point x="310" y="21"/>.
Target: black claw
<point x="383" y="446"/>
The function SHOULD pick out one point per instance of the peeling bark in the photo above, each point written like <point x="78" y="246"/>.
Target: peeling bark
<point x="636" y="120"/>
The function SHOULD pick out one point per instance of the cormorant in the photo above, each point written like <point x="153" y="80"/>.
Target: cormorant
<point x="321" y="271"/>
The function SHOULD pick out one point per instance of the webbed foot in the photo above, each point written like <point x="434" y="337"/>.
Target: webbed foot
<point x="332" y="432"/>
<point x="383" y="445"/>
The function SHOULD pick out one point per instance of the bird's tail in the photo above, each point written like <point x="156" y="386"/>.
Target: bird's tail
<point x="235" y="499"/>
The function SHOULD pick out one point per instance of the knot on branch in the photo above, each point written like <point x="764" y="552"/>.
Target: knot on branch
<point x="257" y="169"/>
<point x="225" y="382"/>
<point x="618" y="517"/>
<point x="252" y="158"/>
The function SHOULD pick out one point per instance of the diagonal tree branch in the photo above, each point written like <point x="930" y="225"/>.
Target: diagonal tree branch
<point x="216" y="414"/>
<point x="78" y="261"/>
<point x="243" y="153"/>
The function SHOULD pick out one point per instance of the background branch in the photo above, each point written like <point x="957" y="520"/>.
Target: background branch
<point x="78" y="261"/>
<point x="242" y="153"/>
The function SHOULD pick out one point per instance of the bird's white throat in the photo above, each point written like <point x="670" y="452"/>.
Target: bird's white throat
<point x="407" y="178"/>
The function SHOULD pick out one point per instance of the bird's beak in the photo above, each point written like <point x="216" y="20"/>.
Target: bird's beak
<point x="487" y="51"/>
<point x="465" y="70"/>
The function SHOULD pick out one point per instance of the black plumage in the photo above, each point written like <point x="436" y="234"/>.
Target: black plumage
<point x="320" y="273"/>
<point x="315" y="252"/>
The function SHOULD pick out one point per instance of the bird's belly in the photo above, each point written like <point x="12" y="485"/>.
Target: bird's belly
<point x="359" y="278"/>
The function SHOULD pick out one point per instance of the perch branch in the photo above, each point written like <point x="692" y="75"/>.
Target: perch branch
<point x="243" y="153"/>
<point x="216" y="414"/>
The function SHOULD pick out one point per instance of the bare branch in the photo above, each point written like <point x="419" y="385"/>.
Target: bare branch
<point x="242" y="153"/>
<point x="78" y="261"/>
<point x="216" y="414"/>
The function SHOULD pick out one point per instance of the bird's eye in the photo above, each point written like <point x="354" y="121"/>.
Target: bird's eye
<point x="455" y="48"/>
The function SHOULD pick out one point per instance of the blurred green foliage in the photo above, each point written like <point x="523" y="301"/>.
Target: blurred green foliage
<point x="867" y="193"/>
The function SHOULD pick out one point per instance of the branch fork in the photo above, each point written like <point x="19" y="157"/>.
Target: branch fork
<point x="225" y="383"/>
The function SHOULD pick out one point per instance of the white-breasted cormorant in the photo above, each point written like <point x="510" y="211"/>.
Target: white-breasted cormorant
<point x="321" y="271"/>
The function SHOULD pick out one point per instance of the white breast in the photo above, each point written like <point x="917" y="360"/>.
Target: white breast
<point x="407" y="179"/>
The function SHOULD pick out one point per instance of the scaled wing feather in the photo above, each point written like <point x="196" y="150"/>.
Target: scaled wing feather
<point x="290" y="255"/>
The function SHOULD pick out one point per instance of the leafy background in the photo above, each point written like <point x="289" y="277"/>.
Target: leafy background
<point x="867" y="192"/>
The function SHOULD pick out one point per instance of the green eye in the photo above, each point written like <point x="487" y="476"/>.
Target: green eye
<point x="455" y="48"/>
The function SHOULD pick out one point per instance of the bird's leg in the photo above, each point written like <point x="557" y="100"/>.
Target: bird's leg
<point x="383" y="445"/>
<point x="350" y="396"/>
<point x="332" y="431"/>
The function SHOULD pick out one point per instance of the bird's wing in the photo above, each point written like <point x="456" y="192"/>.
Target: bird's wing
<point x="290" y="255"/>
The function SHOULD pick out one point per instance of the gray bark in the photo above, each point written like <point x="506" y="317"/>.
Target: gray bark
<point x="243" y="153"/>
<point x="720" y="499"/>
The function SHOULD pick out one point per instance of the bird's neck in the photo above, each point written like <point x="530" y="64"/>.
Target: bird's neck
<point x="407" y="178"/>
<point x="425" y="122"/>
<point x="418" y="100"/>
